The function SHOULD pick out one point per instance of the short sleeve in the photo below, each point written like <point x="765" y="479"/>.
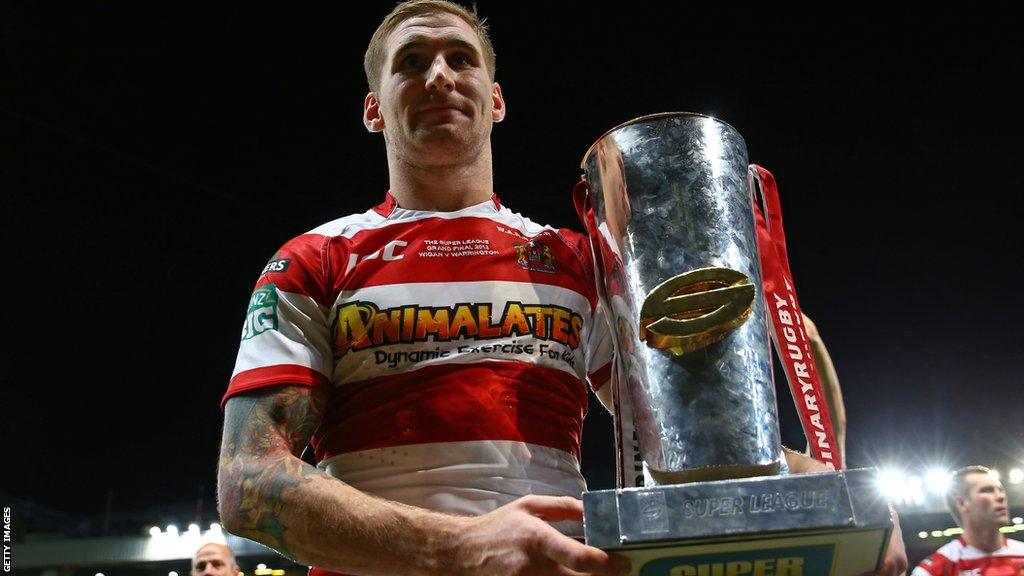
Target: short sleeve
<point x="286" y="336"/>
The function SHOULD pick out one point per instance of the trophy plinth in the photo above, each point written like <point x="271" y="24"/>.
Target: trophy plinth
<point x="828" y="523"/>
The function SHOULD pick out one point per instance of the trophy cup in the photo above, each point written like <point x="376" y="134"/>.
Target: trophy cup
<point x="669" y="202"/>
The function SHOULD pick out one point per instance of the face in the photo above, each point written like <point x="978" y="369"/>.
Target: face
<point x="214" y="560"/>
<point x="436" y="102"/>
<point x="985" y="504"/>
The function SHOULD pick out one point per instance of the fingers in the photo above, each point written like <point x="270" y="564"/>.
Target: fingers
<point x="579" y="557"/>
<point x="552" y="508"/>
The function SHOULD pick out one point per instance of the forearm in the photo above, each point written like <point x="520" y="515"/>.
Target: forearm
<point x="833" y="392"/>
<point x="317" y="520"/>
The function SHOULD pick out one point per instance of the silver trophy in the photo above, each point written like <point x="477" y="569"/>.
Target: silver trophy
<point x="703" y="487"/>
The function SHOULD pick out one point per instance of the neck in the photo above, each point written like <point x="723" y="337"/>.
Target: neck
<point x="986" y="539"/>
<point x="442" y="188"/>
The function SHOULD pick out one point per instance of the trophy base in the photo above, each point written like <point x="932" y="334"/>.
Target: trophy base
<point x="822" y="524"/>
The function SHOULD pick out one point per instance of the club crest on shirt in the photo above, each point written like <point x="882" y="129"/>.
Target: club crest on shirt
<point x="536" y="256"/>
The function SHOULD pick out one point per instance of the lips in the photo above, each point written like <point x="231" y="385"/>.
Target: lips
<point x="440" y="108"/>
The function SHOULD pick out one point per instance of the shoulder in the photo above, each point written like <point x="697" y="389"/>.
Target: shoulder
<point x="531" y="229"/>
<point x="348" y="226"/>
<point x="1015" y="547"/>
<point x="941" y="562"/>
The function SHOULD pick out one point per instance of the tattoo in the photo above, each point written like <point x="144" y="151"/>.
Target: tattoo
<point x="264" y="432"/>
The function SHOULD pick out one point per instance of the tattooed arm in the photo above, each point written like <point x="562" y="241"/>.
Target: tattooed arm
<point x="268" y="494"/>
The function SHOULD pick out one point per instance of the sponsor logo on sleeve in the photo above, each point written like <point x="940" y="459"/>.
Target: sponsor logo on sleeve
<point x="262" y="314"/>
<point x="278" y="265"/>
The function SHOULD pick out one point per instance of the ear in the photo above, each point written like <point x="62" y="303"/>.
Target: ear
<point x="372" y="117"/>
<point x="498" y="101"/>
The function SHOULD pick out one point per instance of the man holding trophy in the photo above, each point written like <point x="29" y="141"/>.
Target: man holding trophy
<point x="435" y="350"/>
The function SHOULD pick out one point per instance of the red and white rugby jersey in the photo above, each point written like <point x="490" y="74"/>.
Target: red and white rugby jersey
<point x="456" y="345"/>
<point x="957" y="558"/>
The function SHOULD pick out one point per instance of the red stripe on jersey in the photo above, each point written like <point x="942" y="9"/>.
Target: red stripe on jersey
<point x="306" y="272"/>
<point x="600" y="377"/>
<point x="452" y="403"/>
<point x="423" y="251"/>
<point x="290" y="374"/>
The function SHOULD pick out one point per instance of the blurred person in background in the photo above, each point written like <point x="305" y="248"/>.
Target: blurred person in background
<point x="977" y="501"/>
<point x="214" y="560"/>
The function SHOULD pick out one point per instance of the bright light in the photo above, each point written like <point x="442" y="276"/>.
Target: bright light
<point x="922" y="535"/>
<point x="891" y="484"/>
<point x="937" y="533"/>
<point x="913" y="492"/>
<point x="172" y="529"/>
<point x="154" y="531"/>
<point x="99" y="574"/>
<point x="193" y="528"/>
<point x="1018" y="520"/>
<point x="995" y="474"/>
<point x="261" y="566"/>
<point x="172" y="574"/>
<point x="937" y="481"/>
<point x="1016" y="476"/>
<point x="214" y="527"/>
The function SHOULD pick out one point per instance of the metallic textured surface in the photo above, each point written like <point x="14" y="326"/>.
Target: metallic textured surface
<point x="732" y="509"/>
<point x="671" y="195"/>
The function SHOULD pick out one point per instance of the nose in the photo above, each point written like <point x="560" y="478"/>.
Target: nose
<point x="440" y="76"/>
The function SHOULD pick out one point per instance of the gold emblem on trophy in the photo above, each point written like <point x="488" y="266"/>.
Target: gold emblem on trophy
<point x="695" y="309"/>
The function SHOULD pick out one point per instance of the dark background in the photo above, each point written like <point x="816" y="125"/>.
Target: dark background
<point x="154" y="157"/>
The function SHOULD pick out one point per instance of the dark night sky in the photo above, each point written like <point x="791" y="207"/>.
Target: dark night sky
<point x="155" y="156"/>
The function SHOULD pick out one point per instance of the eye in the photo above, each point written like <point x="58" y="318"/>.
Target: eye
<point x="412" y="62"/>
<point x="461" y="60"/>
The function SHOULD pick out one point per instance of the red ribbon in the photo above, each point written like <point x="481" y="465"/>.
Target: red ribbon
<point x="788" y="332"/>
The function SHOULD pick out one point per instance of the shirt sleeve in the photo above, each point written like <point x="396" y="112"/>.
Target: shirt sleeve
<point x="286" y="337"/>
<point x="934" y="565"/>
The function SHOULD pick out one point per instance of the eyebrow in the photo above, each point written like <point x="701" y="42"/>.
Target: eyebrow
<point x="418" y="41"/>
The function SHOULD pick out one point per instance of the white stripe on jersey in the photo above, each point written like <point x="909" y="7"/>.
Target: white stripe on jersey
<point x="349" y="226"/>
<point x="308" y="345"/>
<point x="466" y="478"/>
<point x="446" y="293"/>
<point x="956" y="550"/>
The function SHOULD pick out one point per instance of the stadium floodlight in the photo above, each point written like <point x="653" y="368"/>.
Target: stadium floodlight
<point x="1016" y="476"/>
<point x="913" y="491"/>
<point x="937" y="480"/>
<point x="891" y="484"/>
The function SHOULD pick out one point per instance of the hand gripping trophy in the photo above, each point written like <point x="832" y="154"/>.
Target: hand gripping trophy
<point x="688" y="242"/>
